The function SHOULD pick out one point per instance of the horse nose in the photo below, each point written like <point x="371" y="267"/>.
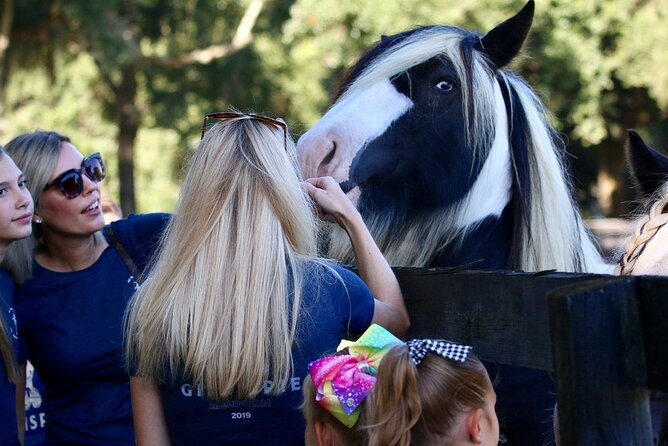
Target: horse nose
<point x="317" y="155"/>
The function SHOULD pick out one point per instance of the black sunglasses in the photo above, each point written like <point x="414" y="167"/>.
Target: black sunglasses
<point x="222" y="116"/>
<point x="71" y="182"/>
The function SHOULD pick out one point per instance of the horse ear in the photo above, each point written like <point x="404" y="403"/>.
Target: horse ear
<point x="504" y="42"/>
<point x="648" y="167"/>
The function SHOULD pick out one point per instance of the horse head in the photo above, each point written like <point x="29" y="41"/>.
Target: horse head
<point x="646" y="253"/>
<point x="437" y="141"/>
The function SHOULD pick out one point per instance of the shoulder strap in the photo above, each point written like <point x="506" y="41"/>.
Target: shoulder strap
<point x="138" y="276"/>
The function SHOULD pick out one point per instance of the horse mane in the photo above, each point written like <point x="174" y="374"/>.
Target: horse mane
<point x="549" y="232"/>
<point x="654" y="217"/>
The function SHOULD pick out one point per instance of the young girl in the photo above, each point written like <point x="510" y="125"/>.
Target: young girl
<point x="16" y="210"/>
<point x="221" y="332"/>
<point x="426" y="392"/>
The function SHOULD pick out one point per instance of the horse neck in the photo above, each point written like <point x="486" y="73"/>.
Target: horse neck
<point x="433" y="239"/>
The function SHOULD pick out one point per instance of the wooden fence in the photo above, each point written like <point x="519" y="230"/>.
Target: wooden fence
<point x="604" y="338"/>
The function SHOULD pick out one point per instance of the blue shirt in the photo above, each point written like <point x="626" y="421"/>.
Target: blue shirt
<point x="8" y="432"/>
<point x="331" y="310"/>
<point x="71" y="326"/>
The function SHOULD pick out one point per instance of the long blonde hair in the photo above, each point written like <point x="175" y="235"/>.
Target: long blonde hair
<point x="221" y="304"/>
<point x="36" y="154"/>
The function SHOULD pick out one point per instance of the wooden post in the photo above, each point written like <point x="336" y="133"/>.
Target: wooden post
<point x="599" y="362"/>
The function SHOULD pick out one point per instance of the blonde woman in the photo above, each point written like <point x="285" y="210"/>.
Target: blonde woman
<point x="74" y="279"/>
<point x="16" y="209"/>
<point x="237" y="304"/>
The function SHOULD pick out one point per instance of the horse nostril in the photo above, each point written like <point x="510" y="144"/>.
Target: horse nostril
<point x="330" y="156"/>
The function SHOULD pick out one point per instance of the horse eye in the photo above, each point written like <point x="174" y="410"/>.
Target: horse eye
<point x="445" y="85"/>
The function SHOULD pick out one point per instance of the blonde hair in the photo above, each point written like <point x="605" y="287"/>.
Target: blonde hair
<point x="419" y="404"/>
<point x="222" y="303"/>
<point x="36" y="154"/>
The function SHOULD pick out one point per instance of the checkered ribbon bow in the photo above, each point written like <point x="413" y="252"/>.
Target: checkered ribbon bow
<point x="418" y="348"/>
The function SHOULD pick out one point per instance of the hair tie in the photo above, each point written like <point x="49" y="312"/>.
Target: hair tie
<point x="418" y="348"/>
<point x="343" y="381"/>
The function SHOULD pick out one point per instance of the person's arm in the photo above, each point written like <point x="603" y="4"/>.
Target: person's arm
<point x="149" y="418"/>
<point x="21" y="401"/>
<point x="390" y="310"/>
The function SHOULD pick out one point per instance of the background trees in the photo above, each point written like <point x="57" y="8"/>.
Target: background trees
<point x="133" y="78"/>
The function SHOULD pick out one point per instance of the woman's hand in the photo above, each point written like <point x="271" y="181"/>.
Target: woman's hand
<point x="330" y="200"/>
<point x="390" y="310"/>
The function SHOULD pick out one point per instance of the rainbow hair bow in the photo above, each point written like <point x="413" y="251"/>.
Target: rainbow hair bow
<point x="343" y="381"/>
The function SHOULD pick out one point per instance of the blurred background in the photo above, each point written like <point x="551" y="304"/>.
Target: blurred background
<point x="132" y="79"/>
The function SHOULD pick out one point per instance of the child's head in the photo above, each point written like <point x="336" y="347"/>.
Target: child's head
<point x="427" y="392"/>
<point x="424" y="396"/>
<point x="337" y="386"/>
<point x="16" y="206"/>
<point x="322" y="428"/>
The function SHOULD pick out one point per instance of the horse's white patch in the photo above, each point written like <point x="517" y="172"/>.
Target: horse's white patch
<point x="491" y="191"/>
<point x="347" y="126"/>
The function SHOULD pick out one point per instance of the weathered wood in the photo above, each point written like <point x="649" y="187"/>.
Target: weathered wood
<point x="503" y="315"/>
<point x="600" y="364"/>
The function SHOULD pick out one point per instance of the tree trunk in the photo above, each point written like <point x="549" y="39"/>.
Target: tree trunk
<point x="610" y="181"/>
<point x="614" y="190"/>
<point x="128" y="120"/>
<point x="6" y="19"/>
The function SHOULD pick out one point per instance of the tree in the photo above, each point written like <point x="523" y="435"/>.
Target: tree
<point x="129" y="40"/>
<point x="6" y="19"/>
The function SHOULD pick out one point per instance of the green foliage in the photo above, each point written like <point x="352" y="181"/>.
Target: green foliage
<point x="598" y="64"/>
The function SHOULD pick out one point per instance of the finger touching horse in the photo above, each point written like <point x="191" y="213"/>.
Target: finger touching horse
<point x="449" y="155"/>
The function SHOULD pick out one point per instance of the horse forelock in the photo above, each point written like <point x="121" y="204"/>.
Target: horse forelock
<point x="455" y="45"/>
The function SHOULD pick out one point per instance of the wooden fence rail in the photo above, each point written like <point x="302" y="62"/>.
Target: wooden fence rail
<point x="604" y="338"/>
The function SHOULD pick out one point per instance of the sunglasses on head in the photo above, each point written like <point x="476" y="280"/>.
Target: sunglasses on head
<point x="223" y="116"/>
<point x="71" y="182"/>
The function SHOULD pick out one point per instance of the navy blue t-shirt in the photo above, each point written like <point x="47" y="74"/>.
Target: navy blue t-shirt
<point x="70" y="325"/>
<point x="8" y="432"/>
<point x="331" y="310"/>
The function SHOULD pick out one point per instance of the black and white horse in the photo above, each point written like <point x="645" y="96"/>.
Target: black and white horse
<point x="450" y="156"/>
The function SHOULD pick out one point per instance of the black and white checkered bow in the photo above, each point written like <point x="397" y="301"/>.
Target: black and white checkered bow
<point x="418" y="348"/>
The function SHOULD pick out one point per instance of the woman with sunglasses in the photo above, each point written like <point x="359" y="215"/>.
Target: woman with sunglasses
<point x="220" y="334"/>
<point x="74" y="279"/>
<point x="15" y="216"/>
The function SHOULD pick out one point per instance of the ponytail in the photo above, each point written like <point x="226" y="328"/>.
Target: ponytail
<point x="420" y="404"/>
<point x="395" y="403"/>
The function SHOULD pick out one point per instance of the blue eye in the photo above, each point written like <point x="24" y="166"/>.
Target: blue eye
<point x="23" y="184"/>
<point x="3" y="191"/>
<point x="445" y="86"/>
